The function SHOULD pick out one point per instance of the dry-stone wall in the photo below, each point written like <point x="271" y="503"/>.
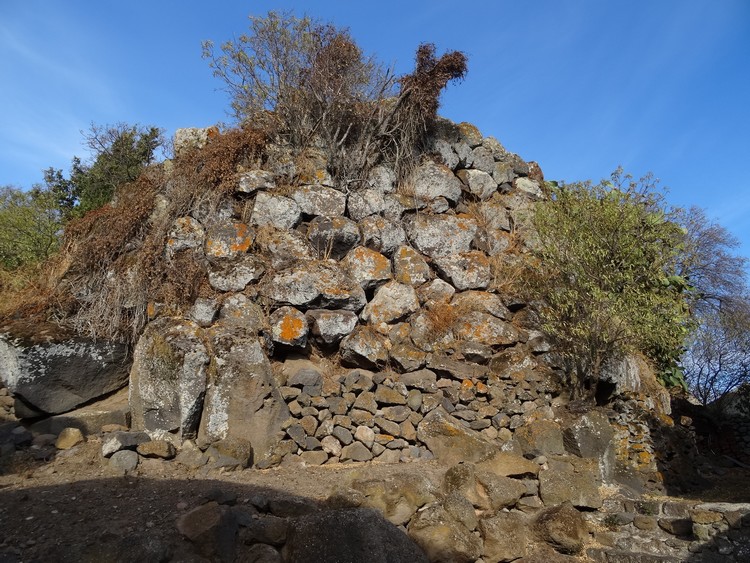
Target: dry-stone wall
<point x="358" y="324"/>
<point x="379" y="323"/>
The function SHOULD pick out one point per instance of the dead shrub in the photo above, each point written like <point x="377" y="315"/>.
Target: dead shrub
<point x="441" y="316"/>
<point x="113" y="261"/>
<point x="309" y="84"/>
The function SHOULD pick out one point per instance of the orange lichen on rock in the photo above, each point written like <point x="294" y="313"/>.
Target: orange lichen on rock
<point x="291" y="327"/>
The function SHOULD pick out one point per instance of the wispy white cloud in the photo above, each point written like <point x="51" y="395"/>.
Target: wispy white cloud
<point x="51" y="91"/>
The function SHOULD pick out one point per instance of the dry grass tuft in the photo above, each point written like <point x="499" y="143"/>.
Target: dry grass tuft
<point x="442" y="317"/>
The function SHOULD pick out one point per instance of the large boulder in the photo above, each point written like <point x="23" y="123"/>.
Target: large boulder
<point x="227" y="239"/>
<point x="398" y="496"/>
<point x="540" y="437"/>
<point x="370" y="268"/>
<point x="573" y="480"/>
<point x="277" y="210"/>
<point x="450" y="441"/>
<point x="563" y="527"/>
<point x="348" y="534"/>
<point x="444" y="537"/>
<point x="283" y="248"/>
<point x="391" y="302"/>
<point x="333" y="237"/>
<point x="506" y="536"/>
<point x="243" y="402"/>
<point x="441" y="235"/>
<point x="320" y="200"/>
<point x="467" y="270"/>
<point x="168" y="378"/>
<point x="315" y="285"/>
<point x="57" y="374"/>
<point x="432" y="180"/>
<point x="234" y="276"/>
<point x="330" y="326"/>
<point x="478" y="183"/>
<point x="364" y="347"/>
<point x="592" y="436"/>
<point x="381" y="234"/>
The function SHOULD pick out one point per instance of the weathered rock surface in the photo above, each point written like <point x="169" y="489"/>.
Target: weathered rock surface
<point x="450" y="441"/>
<point x="243" y="401"/>
<point x="353" y="534"/>
<point x="168" y="378"/>
<point x="330" y="326"/>
<point x="506" y="536"/>
<point x="320" y="200"/>
<point x="315" y="285"/>
<point x="227" y="239"/>
<point x="443" y="537"/>
<point x="58" y="375"/>
<point x="572" y="480"/>
<point x="441" y="235"/>
<point x="431" y="181"/>
<point x="391" y="302"/>
<point x="275" y="210"/>
<point x="563" y="527"/>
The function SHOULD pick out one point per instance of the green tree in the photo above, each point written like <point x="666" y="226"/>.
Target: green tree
<point x="607" y="275"/>
<point x="30" y="224"/>
<point x="119" y="155"/>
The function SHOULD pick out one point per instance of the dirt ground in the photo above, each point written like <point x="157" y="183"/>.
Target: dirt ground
<point x="74" y="508"/>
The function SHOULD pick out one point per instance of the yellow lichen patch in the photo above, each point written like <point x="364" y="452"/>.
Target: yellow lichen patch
<point x="243" y="238"/>
<point x="467" y="384"/>
<point x="643" y="459"/>
<point x="470" y="132"/>
<point x="291" y="327"/>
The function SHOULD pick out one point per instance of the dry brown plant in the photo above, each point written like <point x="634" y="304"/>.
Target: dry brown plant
<point x="113" y="262"/>
<point x="442" y="316"/>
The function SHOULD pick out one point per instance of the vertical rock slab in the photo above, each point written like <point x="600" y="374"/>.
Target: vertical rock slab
<point x="242" y="400"/>
<point x="57" y="374"/>
<point x="168" y="378"/>
<point x="592" y="436"/>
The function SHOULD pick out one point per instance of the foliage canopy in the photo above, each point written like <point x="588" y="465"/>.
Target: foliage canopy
<point x="29" y="226"/>
<point x="119" y="154"/>
<point x="607" y="274"/>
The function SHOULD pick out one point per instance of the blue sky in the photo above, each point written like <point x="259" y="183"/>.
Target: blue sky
<point x="581" y="86"/>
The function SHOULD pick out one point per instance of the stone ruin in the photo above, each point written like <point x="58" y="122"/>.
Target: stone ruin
<point x="378" y="324"/>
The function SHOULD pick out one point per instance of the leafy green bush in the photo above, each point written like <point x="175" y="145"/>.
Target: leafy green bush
<point x="30" y="224"/>
<point x="607" y="275"/>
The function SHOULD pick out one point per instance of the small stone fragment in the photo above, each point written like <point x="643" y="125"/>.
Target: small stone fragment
<point x="68" y="438"/>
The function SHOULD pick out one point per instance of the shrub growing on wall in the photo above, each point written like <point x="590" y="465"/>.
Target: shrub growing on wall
<point x="607" y="275"/>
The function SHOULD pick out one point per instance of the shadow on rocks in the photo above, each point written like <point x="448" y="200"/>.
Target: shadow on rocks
<point x="136" y="519"/>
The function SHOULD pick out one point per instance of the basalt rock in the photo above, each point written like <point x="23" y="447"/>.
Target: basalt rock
<point x="57" y="374"/>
